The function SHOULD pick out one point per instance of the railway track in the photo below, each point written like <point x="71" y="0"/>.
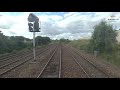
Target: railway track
<point x="12" y="55"/>
<point x="15" y="58"/>
<point x="70" y="67"/>
<point x="19" y="56"/>
<point x="60" y="62"/>
<point x="12" y="65"/>
<point x="93" y="70"/>
<point x="25" y="56"/>
<point x="52" y="68"/>
<point x="54" y="61"/>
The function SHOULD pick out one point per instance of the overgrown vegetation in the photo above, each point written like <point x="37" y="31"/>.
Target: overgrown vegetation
<point x="81" y="44"/>
<point x="104" y="41"/>
<point x="103" y="38"/>
<point x="15" y="43"/>
<point x="65" y="41"/>
<point x="42" y="40"/>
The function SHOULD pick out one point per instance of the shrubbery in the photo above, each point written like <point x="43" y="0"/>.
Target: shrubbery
<point x="15" y="43"/>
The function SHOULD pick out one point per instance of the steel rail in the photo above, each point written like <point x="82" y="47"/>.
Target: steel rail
<point x="39" y="75"/>
<point x="60" y="62"/>
<point x="78" y="64"/>
<point x="77" y="52"/>
<point x="8" y="70"/>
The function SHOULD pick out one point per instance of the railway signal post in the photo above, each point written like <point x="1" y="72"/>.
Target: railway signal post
<point x="33" y="23"/>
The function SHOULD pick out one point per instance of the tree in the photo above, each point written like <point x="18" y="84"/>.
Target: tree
<point x="103" y="37"/>
<point x="9" y="44"/>
<point x="64" y="40"/>
<point x="4" y="43"/>
<point x="42" y="40"/>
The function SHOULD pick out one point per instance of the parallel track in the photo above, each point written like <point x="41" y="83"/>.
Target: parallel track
<point x="60" y="56"/>
<point x="78" y="64"/>
<point x="84" y="58"/>
<point x="18" y="56"/>
<point x="46" y="68"/>
<point x="19" y="64"/>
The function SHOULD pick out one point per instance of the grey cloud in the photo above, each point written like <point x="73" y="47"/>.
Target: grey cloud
<point x="79" y="27"/>
<point x="50" y="28"/>
<point x="71" y="36"/>
<point x="74" y="30"/>
<point x="5" y="26"/>
<point x="75" y="27"/>
<point x="11" y="32"/>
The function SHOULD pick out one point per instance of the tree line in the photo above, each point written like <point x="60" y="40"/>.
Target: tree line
<point x="103" y="39"/>
<point x="14" y="43"/>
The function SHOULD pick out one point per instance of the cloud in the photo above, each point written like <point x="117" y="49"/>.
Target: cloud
<point x="50" y="17"/>
<point x="13" y="33"/>
<point x="50" y="28"/>
<point x="6" y="22"/>
<point x="56" y="25"/>
<point x="72" y="36"/>
<point x="78" y="27"/>
<point x="5" y="26"/>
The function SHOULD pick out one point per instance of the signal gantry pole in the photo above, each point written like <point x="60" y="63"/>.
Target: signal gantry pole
<point x="34" y="44"/>
<point x="33" y="28"/>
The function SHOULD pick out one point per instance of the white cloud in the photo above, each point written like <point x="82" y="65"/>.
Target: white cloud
<point x="6" y="22"/>
<point x="51" y="17"/>
<point x="71" y="25"/>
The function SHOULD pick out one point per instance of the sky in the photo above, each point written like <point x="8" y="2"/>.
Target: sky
<point x="57" y="25"/>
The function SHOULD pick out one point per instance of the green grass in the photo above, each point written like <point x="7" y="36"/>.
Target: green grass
<point x="113" y="57"/>
<point x="80" y="44"/>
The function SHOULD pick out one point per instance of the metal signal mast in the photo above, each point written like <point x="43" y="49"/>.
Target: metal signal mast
<point x="33" y="23"/>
